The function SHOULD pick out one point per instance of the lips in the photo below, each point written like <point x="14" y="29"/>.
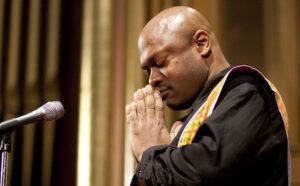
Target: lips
<point x="163" y="92"/>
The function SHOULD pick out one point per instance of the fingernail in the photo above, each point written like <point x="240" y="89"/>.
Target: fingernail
<point x="156" y="94"/>
<point x="135" y="95"/>
<point x="132" y="106"/>
<point x="140" y="94"/>
<point x="144" y="90"/>
<point x="149" y="89"/>
<point x="127" y="108"/>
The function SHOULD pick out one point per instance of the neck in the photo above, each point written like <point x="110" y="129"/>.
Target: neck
<point x="217" y="64"/>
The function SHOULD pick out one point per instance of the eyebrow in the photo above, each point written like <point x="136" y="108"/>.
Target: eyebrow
<point x="148" y="60"/>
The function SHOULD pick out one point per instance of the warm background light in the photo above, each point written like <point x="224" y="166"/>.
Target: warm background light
<point x="84" y="53"/>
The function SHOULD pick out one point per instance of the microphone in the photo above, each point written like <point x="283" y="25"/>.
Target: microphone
<point x="52" y="110"/>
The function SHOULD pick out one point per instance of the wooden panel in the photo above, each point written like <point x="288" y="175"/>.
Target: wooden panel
<point x="282" y="65"/>
<point x="134" y="77"/>
<point x="296" y="166"/>
<point x="101" y="92"/>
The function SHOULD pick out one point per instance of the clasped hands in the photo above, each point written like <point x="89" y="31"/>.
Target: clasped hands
<point x="146" y="121"/>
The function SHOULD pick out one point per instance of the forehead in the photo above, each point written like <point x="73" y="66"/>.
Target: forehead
<point x="159" y="32"/>
<point x="168" y="44"/>
<point x="149" y="49"/>
<point x="156" y="49"/>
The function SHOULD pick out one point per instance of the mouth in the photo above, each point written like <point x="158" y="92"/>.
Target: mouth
<point x="163" y="92"/>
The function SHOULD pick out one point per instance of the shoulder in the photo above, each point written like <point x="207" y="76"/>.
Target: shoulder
<point x="248" y="83"/>
<point x="250" y="93"/>
<point x="247" y="93"/>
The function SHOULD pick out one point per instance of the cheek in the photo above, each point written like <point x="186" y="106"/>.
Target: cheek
<point x="183" y="80"/>
<point x="188" y="79"/>
<point x="185" y="71"/>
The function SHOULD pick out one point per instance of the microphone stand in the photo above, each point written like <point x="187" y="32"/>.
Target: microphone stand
<point x="5" y="147"/>
<point x="50" y="111"/>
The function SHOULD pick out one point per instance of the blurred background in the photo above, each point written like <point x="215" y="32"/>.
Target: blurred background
<point x="84" y="54"/>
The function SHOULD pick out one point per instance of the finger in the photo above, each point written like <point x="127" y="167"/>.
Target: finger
<point x="150" y="103"/>
<point x="140" y="103"/>
<point x="159" y="108"/>
<point x="127" y="112"/>
<point x="133" y="119"/>
<point x="175" y="129"/>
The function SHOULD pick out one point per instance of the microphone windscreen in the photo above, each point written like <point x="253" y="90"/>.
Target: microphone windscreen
<point x="53" y="110"/>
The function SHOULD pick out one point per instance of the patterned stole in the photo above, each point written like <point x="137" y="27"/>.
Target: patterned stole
<point x="207" y="108"/>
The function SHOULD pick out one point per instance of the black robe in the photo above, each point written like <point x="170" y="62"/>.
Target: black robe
<point x="242" y="143"/>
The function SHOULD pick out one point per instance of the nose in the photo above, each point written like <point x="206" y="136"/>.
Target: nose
<point x="155" y="77"/>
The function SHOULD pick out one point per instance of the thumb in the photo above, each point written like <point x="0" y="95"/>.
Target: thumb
<point x="175" y="128"/>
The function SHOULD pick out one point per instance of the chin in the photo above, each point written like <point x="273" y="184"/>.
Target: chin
<point x="178" y="106"/>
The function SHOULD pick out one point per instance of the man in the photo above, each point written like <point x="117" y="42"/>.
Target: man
<point x="236" y="131"/>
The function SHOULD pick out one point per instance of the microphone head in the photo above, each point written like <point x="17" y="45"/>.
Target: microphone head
<point x="53" y="110"/>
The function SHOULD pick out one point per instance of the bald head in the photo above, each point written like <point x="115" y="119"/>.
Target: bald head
<point x="175" y="20"/>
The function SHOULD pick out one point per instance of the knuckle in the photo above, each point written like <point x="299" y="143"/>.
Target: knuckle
<point x="159" y="107"/>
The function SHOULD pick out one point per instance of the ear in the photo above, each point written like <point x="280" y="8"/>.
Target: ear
<point x="202" y="42"/>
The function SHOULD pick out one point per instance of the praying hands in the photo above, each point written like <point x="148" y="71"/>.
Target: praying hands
<point x="146" y="121"/>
